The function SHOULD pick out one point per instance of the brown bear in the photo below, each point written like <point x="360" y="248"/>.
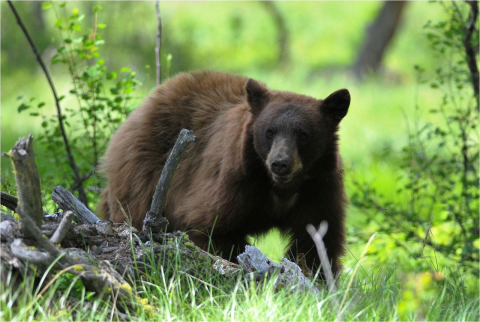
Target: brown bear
<point x="264" y="158"/>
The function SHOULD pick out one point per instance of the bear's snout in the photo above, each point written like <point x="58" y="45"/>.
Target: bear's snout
<point x="283" y="160"/>
<point x="281" y="165"/>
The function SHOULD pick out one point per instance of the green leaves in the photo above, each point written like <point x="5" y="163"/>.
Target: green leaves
<point x="23" y="107"/>
<point x="46" y="5"/>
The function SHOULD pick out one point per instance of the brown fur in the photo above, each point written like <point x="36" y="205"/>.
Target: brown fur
<point x="222" y="187"/>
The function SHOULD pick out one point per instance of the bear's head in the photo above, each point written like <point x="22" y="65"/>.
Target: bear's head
<point x="291" y="132"/>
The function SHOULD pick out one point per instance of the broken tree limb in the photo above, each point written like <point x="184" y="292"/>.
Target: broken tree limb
<point x="9" y="201"/>
<point x="27" y="180"/>
<point x="62" y="228"/>
<point x="67" y="201"/>
<point x="184" y="139"/>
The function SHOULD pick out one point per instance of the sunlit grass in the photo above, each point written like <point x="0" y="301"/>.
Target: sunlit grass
<point x="380" y="291"/>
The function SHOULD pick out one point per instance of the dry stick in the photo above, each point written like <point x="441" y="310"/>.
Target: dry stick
<point x="27" y="180"/>
<point x="184" y="139"/>
<point x="159" y="42"/>
<point x="81" y="191"/>
<point x="317" y="237"/>
<point x="67" y="201"/>
<point x="62" y="228"/>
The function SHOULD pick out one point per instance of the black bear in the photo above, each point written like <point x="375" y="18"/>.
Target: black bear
<point x="263" y="159"/>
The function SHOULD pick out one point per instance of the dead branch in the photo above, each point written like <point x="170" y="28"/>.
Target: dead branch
<point x="62" y="228"/>
<point x="184" y="139"/>
<point x="27" y="180"/>
<point x="73" y="165"/>
<point x="317" y="237"/>
<point x="67" y="201"/>
<point x="9" y="201"/>
<point x="32" y="256"/>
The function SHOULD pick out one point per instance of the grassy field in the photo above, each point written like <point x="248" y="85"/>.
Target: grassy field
<point x="373" y="292"/>
<point x="239" y="37"/>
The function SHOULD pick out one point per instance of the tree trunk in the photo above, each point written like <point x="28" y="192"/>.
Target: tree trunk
<point x="282" y="31"/>
<point x="379" y="35"/>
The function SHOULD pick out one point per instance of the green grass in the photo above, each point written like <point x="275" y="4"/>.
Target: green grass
<point x="376" y="291"/>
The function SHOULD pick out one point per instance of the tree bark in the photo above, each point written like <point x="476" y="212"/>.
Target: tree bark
<point x="379" y="35"/>
<point x="27" y="180"/>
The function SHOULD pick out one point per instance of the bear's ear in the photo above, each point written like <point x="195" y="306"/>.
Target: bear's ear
<point x="336" y="104"/>
<point x="257" y="96"/>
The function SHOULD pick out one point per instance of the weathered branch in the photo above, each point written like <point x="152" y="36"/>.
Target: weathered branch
<point x="33" y="256"/>
<point x="317" y="237"/>
<point x="158" y="47"/>
<point x="27" y="180"/>
<point x="62" y="228"/>
<point x="73" y="165"/>
<point x="9" y="201"/>
<point x="184" y="139"/>
<point x="67" y="201"/>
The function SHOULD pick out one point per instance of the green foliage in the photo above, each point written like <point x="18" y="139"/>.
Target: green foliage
<point x="440" y="162"/>
<point x="99" y="99"/>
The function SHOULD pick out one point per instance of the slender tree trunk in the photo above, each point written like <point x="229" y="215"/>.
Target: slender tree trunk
<point x="379" y="35"/>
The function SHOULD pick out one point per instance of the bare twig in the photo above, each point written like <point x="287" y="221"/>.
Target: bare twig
<point x="63" y="227"/>
<point x="426" y="234"/>
<point x="77" y="177"/>
<point x="158" y="47"/>
<point x="82" y="180"/>
<point x="184" y="139"/>
<point x="67" y="201"/>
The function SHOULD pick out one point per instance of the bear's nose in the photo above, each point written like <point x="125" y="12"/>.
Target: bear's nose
<point x="281" y="166"/>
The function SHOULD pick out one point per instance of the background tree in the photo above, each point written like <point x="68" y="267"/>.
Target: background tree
<point x="379" y="35"/>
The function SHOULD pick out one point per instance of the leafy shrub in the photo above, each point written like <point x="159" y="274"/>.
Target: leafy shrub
<point x="102" y="99"/>
<point x="440" y="162"/>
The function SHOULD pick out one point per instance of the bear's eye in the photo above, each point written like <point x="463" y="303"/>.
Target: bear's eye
<point x="269" y="134"/>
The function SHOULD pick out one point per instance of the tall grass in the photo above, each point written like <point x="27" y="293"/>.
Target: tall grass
<point x="379" y="291"/>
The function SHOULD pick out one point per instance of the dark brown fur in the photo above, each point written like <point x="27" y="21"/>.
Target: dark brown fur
<point x="223" y="187"/>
